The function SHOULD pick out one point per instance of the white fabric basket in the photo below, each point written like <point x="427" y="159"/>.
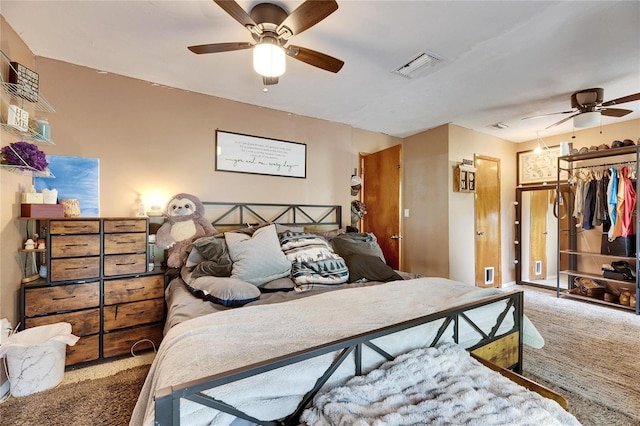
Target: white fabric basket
<point x="36" y="357"/>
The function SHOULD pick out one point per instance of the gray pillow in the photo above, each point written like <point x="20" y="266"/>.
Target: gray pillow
<point x="364" y="267"/>
<point x="223" y="291"/>
<point x="211" y="257"/>
<point x="357" y="243"/>
<point x="257" y="258"/>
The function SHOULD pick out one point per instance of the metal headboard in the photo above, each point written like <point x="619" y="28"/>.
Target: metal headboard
<point x="243" y="214"/>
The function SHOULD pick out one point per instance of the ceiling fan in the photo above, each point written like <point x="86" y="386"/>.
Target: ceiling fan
<point x="588" y="106"/>
<point x="271" y="28"/>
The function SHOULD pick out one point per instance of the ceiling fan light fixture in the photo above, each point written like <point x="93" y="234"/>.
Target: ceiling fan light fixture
<point x="587" y="119"/>
<point x="269" y="59"/>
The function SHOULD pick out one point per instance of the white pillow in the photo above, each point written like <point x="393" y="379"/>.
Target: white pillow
<point x="258" y="258"/>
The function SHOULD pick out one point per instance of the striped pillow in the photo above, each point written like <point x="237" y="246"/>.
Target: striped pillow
<point x="313" y="262"/>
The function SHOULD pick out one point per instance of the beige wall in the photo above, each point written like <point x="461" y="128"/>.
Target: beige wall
<point x="151" y="138"/>
<point x="440" y="232"/>
<point x="425" y="188"/>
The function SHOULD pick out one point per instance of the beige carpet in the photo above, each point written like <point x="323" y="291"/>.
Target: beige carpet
<point x="591" y="355"/>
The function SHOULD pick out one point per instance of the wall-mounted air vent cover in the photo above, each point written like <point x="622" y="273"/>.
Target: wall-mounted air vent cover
<point x="419" y="63"/>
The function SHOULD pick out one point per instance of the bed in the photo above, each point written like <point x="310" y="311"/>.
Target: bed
<point x="264" y="362"/>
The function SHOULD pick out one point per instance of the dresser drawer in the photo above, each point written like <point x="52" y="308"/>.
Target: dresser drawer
<point x="125" y="243"/>
<point x="120" y="342"/>
<point x="119" y="264"/>
<point x="75" y="245"/>
<point x="125" y="225"/>
<point x="74" y="268"/>
<point x="135" y="313"/>
<point x="133" y="289"/>
<point x="61" y="298"/>
<point x="74" y="227"/>
<point x="82" y="323"/>
<point x="85" y="349"/>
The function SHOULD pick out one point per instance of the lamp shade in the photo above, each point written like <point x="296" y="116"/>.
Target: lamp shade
<point x="587" y="119"/>
<point x="269" y="59"/>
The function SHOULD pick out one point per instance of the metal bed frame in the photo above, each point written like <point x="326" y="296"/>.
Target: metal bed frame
<point x="243" y="214"/>
<point x="167" y="400"/>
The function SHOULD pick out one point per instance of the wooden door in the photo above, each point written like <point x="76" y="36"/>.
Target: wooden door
<point x="381" y="173"/>
<point x="487" y="226"/>
<point x="538" y="234"/>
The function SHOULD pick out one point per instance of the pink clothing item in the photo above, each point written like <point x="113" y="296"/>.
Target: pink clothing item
<point x="629" y="204"/>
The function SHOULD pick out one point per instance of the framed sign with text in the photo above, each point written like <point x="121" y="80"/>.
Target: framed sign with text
<point x="240" y="153"/>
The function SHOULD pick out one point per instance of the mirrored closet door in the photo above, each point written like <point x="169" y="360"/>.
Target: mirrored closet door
<point x="537" y="218"/>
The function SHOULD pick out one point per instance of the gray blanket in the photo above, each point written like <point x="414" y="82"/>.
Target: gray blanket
<point x="441" y="385"/>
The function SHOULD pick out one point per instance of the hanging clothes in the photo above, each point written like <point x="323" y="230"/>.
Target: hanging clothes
<point x="617" y="227"/>
<point x="578" y="202"/>
<point x="603" y="205"/>
<point x="629" y="204"/>
<point x="589" y="208"/>
<point x="612" y="197"/>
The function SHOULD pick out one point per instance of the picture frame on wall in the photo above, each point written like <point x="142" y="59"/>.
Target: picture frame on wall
<point x="535" y="168"/>
<point x="236" y="152"/>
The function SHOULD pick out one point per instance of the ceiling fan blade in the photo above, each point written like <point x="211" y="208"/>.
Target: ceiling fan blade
<point x="563" y="120"/>
<point x="615" y="112"/>
<point x="546" y="115"/>
<point x="237" y="13"/>
<point x="219" y="47"/>
<point x="314" y="58"/>
<point x="305" y="16"/>
<point x="630" y="98"/>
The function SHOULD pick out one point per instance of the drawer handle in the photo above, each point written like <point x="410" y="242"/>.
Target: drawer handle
<point x="63" y="298"/>
<point x="126" y="242"/>
<point x="78" y="267"/>
<point x="76" y="245"/>
<point x="76" y="227"/>
<point x="128" y="263"/>
<point x="135" y="289"/>
<point x="125" y="226"/>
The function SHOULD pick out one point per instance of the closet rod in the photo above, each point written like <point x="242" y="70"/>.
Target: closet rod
<point x="619" y="163"/>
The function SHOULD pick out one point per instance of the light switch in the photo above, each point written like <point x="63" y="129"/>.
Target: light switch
<point x="406" y="212"/>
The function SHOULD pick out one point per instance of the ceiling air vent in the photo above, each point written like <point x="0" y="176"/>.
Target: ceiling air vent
<point x="418" y="64"/>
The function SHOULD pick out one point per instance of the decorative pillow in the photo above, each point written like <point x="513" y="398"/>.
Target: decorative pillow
<point x="313" y="263"/>
<point x="214" y="257"/>
<point x="224" y="291"/>
<point x="364" y="267"/>
<point x="357" y="243"/>
<point x="257" y="258"/>
<point x="281" y="284"/>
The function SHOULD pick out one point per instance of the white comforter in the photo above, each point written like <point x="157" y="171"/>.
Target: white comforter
<point x="227" y="340"/>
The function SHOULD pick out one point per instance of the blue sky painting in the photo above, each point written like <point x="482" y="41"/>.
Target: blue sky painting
<point x="75" y="177"/>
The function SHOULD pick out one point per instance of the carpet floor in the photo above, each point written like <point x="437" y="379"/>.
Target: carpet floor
<point x="590" y="356"/>
<point x="105" y="401"/>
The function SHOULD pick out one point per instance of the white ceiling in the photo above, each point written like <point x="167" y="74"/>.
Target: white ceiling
<point x="503" y="60"/>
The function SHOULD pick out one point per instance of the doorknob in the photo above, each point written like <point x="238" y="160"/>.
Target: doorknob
<point x="396" y="237"/>
<point x="480" y="233"/>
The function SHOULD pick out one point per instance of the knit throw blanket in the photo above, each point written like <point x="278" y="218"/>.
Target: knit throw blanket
<point x="441" y="385"/>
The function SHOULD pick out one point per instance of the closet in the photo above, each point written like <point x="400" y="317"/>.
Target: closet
<point x="593" y="264"/>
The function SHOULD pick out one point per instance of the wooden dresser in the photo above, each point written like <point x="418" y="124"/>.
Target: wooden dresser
<point x="98" y="281"/>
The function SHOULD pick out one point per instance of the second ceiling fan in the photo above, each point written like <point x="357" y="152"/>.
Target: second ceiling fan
<point x="271" y="28"/>
<point x="588" y="105"/>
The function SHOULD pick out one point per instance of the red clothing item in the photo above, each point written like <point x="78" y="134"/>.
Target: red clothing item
<point x="629" y="204"/>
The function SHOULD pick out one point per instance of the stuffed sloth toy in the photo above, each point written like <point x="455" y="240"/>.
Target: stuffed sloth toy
<point x="184" y="225"/>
